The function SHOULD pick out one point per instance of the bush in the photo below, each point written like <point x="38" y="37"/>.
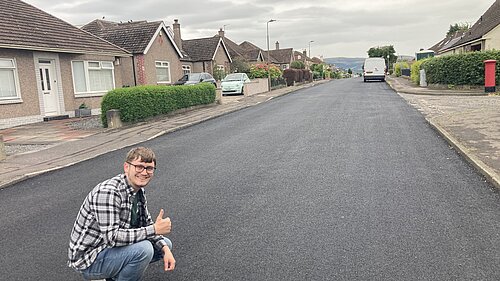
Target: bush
<point x="296" y="75"/>
<point x="297" y="65"/>
<point x="141" y="102"/>
<point x="459" y="69"/>
<point x="239" y="65"/>
<point x="261" y="71"/>
<point x="398" y="66"/>
<point x="415" y="71"/>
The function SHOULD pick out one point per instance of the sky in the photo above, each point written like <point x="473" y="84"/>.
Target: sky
<point x="338" y="28"/>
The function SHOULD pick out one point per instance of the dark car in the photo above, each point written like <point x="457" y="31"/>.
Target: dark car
<point x="195" y="78"/>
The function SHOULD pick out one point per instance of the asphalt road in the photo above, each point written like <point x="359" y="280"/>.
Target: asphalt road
<point x="343" y="181"/>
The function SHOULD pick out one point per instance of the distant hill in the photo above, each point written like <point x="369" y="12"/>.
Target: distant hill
<point x="355" y="64"/>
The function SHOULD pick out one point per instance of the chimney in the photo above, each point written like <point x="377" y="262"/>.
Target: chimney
<point x="304" y="52"/>
<point x="221" y="33"/>
<point x="277" y="45"/>
<point x="177" y="33"/>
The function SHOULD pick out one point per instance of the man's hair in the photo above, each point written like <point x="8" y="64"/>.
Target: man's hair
<point x="143" y="153"/>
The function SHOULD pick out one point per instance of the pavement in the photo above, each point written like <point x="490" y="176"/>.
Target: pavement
<point x="467" y="119"/>
<point x="46" y="146"/>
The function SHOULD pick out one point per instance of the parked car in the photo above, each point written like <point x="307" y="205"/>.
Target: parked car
<point x="374" y="69"/>
<point x="195" y="78"/>
<point x="234" y="83"/>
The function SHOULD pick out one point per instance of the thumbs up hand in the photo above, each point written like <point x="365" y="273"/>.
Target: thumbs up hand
<point x="162" y="225"/>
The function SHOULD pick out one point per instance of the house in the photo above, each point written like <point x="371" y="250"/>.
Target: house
<point x="239" y="52"/>
<point x="482" y="36"/>
<point x="156" y="56"/>
<point x="207" y="54"/>
<point x="249" y="47"/>
<point x="283" y="57"/>
<point x="442" y="46"/>
<point x="49" y="67"/>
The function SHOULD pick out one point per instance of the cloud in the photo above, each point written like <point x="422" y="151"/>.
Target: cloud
<point x="338" y="27"/>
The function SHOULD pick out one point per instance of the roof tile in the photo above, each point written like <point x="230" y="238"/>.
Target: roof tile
<point x="23" y="26"/>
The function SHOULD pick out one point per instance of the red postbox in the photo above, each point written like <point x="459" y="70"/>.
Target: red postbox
<point x="489" y="76"/>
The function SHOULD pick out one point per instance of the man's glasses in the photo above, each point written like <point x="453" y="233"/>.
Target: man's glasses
<point x="140" y="168"/>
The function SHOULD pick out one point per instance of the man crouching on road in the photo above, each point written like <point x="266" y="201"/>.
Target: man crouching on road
<point x="114" y="236"/>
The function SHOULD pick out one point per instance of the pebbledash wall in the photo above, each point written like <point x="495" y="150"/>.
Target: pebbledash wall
<point x="29" y="107"/>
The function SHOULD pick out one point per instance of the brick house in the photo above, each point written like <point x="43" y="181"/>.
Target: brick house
<point x="156" y="56"/>
<point x="49" y="67"/>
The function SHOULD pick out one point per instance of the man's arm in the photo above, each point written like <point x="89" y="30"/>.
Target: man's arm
<point x="168" y="259"/>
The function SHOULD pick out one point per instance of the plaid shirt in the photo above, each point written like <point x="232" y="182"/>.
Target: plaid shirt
<point x="104" y="222"/>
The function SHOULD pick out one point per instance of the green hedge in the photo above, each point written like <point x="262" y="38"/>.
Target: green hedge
<point x="398" y="66"/>
<point x="415" y="71"/>
<point x="138" y="103"/>
<point x="459" y="69"/>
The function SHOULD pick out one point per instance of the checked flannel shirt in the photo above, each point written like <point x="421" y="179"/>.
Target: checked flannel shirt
<point x="104" y="222"/>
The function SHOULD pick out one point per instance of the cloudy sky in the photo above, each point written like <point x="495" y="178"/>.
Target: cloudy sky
<point x="338" y="28"/>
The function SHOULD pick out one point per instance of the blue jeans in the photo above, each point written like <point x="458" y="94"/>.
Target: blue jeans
<point x="124" y="263"/>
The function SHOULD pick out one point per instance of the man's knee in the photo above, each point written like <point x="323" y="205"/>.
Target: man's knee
<point x="144" y="250"/>
<point x="169" y="243"/>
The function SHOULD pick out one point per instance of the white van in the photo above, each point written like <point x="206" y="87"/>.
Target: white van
<point x="374" y="69"/>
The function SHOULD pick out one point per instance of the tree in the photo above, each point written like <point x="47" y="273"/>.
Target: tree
<point x="297" y="65"/>
<point x="239" y="65"/>
<point x="349" y="71"/>
<point x="386" y="52"/>
<point x="457" y="27"/>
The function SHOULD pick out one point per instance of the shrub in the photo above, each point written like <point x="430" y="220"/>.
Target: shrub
<point x="297" y="65"/>
<point x="459" y="69"/>
<point x="292" y="75"/>
<point x="141" y="102"/>
<point x="261" y="71"/>
<point x="239" y="65"/>
<point x="398" y="66"/>
<point x="219" y="74"/>
<point x="415" y="71"/>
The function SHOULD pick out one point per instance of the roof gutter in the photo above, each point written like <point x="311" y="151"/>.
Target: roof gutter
<point x="68" y="51"/>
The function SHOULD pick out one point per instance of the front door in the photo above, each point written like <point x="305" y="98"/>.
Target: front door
<point x="48" y="86"/>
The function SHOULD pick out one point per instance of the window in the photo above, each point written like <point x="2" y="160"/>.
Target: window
<point x="93" y="76"/>
<point x="186" y="69"/>
<point x="285" y="66"/>
<point x="162" y="72"/>
<point x="475" y="48"/>
<point x="9" y="83"/>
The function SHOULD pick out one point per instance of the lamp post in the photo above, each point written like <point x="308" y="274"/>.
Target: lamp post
<point x="310" y="48"/>
<point x="268" y="72"/>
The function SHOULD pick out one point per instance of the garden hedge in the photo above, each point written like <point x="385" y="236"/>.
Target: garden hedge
<point x="141" y="102"/>
<point x="459" y="69"/>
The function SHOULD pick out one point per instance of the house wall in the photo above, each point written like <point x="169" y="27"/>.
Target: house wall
<point x="201" y="67"/>
<point x="93" y="101"/>
<point x="492" y="39"/>
<point x="221" y="58"/>
<point x="28" y="107"/>
<point x="126" y="72"/>
<point x="162" y="50"/>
